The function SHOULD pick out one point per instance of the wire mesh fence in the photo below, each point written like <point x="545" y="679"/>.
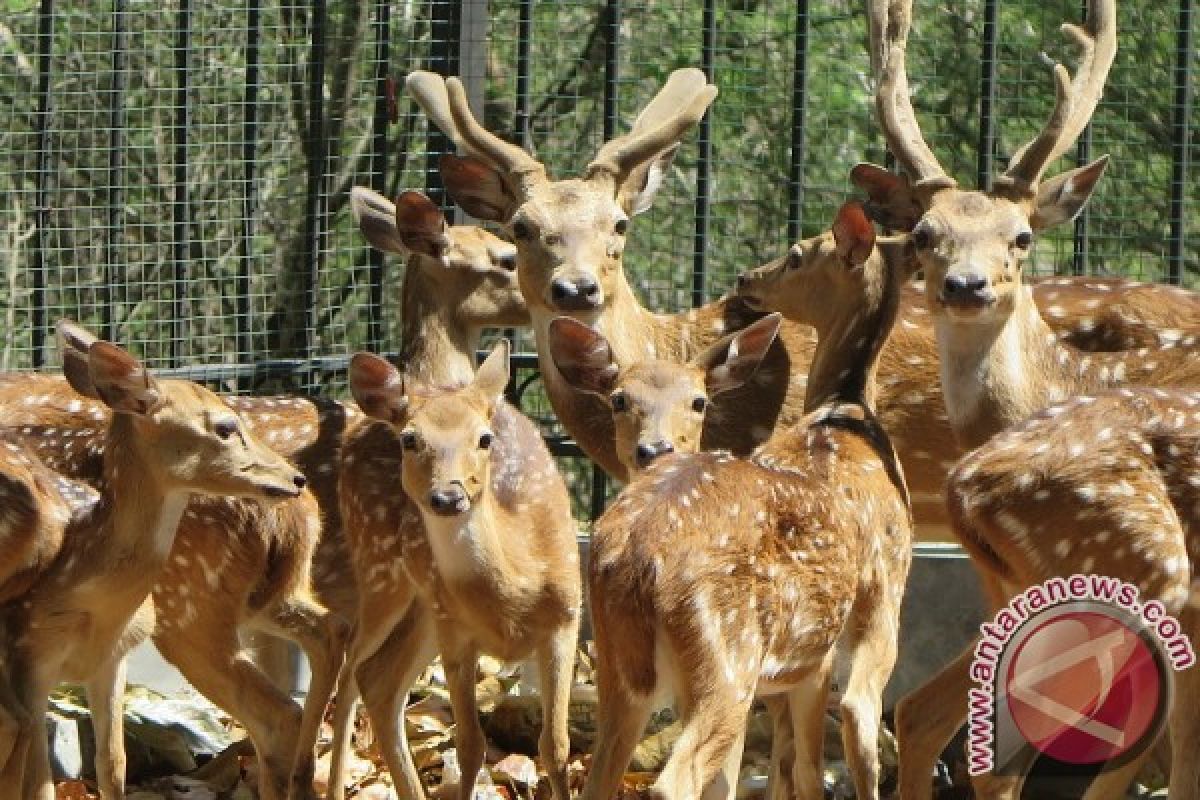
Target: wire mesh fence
<point x="176" y="174"/>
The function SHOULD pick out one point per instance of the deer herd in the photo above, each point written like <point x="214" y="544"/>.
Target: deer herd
<point x="782" y="448"/>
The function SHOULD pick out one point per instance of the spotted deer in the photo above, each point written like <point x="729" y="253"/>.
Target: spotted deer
<point x="463" y="544"/>
<point x="999" y="361"/>
<point x="85" y="606"/>
<point x="570" y="236"/>
<point x="239" y="565"/>
<point x="1105" y="484"/>
<point x="714" y="578"/>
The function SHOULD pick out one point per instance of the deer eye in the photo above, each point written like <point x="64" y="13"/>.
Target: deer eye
<point x="921" y="237"/>
<point x="408" y="440"/>
<point x="699" y="404"/>
<point x="485" y="440"/>
<point x="522" y="230"/>
<point x="621" y="226"/>
<point x="225" y="428"/>
<point x="1024" y="240"/>
<point x="620" y="402"/>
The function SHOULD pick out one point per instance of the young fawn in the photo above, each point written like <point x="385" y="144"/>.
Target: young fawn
<point x="1106" y="485"/>
<point x="463" y="543"/>
<point x="713" y="577"/>
<point x="658" y="406"/>
<point x="79" y="615"/>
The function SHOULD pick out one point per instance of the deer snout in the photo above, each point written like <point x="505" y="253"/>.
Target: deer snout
<point x="449" y="500"/>
<point x="575" y="294"/>
<point x="966" y="289"/>
<point x="647" y="452"/>
<point x="298" y="481"/>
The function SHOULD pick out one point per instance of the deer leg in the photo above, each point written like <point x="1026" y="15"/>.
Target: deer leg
<point x="783" y="746"/>
<point x="211" y="659"/>
<point x="385" y="680"/>
<point x="12" y="714"/>
<point x="714" y="718"/>
<point x="322" y="636"/>
<point x="926" y="719"/>
<point x="376" y="620"/>
<point x="1184" y="721"/>
<point x="872" y="652"/>
<point x="556" y="668"/>
<point x="105" y="694"/>
<point x="623" y="717"/>
<point x="806" y="709"/>
<point x="460" y="660"/>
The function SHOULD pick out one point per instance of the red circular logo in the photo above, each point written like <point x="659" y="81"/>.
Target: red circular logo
<point x="1084" y="688"/>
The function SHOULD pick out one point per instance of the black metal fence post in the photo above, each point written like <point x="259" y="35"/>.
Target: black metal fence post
<point x="379" y="154"/>
<point x="315" y="199"/>
<point x="181" y="210"/>
<point x="45" y="65"/>
<point x="799" y="152"/>
<point x="443" y="59"/>
<point x="985" y="155"/>
<point x="704" y="164"/>
<point x="116" y="159"/>
<point x="1083" y="154"/>
<point x="1181" y="137"/>
<point x="245" y="311"/>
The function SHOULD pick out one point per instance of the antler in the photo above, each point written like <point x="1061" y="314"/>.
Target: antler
<point x="677" y="107"/>
<point x="444" y="101"/>
<point x="889" y="21"/>
<point x="1075" y="101"/>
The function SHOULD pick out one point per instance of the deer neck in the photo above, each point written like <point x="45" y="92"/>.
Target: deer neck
<point x="995" y="374"/>
<point x="437" y="348"/>
<point x="472" y="546"/>
<point x="138" y="512"/>
<point x="846" y="359"/>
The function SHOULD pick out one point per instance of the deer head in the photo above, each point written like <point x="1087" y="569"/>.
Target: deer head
<point x="570" y="234"/>
<point x="972" y="244"/>
<point x="183" y="434"/>
<point x="464" y="267"/>
<point x="658" y="406"/>
<point x="446" y="436"/>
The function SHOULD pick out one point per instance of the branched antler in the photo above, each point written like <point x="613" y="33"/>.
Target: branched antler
<point x="1075" y="101"/>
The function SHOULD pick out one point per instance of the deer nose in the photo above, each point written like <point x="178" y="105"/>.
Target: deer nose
<point x="450" y="500"/>
<point x="581" y="294"/>
<point x="964" y="286"/>
<point x="648" y="451"/>
<point x="300" y="481"/>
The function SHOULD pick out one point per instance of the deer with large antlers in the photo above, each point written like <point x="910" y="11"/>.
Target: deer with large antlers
<point x="464" y="544"/>
<point x="999" y="359"/>
<point x="570" y="235"/>
<point x="1099" y="485"/>
<point x="235" y="561"/>
<point x="80" y="613"/>
<point x="714" y="578"/>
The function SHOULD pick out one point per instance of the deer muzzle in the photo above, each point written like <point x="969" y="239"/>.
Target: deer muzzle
<point x="580" y="293"/>
<point x="967" y="291"/>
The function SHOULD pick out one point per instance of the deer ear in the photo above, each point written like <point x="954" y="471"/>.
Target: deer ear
<point x="735" y="358"/>
<point x="582" y="355"/>
<point x="637" y="193"/>
<point x="378" y="388"/>
<point x="477" y="188"/>
<point x="73" y="344"/>
<point x="853" y="234"/>
<point x="492" y="376"/>
<point x="1062" y="197"/>
<point x="421" y="225"/>
<point x="891" y="200"/>
<point x="120" y="381"/>
<point x="375" y="216"/>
